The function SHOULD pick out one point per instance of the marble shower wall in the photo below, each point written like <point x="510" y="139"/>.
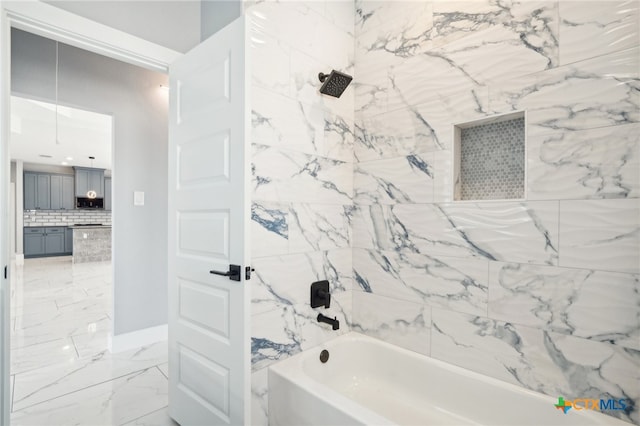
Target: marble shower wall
<point x="302" y="167"/>
<point x="542" y="292"/>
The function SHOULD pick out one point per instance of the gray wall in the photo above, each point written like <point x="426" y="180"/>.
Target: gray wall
<point x="173" y="24"/>
<point x="139" y="107"/>
<point x="217" y="14"/>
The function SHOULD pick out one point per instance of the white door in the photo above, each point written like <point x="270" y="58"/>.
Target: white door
<point x="209" y="213"/>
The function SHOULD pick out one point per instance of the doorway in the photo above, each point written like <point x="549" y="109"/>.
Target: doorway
<point x="70" y="331"/>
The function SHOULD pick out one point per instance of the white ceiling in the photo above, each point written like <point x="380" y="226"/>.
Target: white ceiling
<point x="80" y="134"/>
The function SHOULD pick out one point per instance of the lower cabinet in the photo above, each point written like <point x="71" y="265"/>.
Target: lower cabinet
<point x="47" y="241"/>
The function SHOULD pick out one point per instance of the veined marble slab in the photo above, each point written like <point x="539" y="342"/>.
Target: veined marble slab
<point x="282" y="281"/>
<point x="397" y="180"/>
<point x="315" y="227"/>
<point x="399" y="322"/>
<point x="598" y="92"/>
<point x="594" y="163"/>
<point x="547" y="362"/>
<point x="43" y="354"/>
<point x="600" y="234"/>
<point x="269" y="229"/>
<point x="259" y="398"/>
<point x="286" y="176"/>
<point x="278" y="334"/>
<point x="524" y="232"/>
<point x="600" y="306"/>
<point x="594" y="28"/>
<point x="448" y="282"/>
<point x="157" y="418"/>
<point x="40" y="385"/>
<point x="111" y="403"/>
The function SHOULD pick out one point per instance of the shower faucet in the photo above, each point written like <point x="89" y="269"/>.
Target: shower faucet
<point x="335" y="324"/>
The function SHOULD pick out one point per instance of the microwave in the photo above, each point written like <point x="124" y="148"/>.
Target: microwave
<point x="89" y="203"/>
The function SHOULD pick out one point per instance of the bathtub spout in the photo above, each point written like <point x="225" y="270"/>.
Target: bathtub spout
<point x="335" y="324"/>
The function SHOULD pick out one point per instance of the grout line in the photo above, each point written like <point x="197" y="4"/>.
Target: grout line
<point x="166" y="407"/>
<point x="132" y="373"/>
<point x="162" y="372"/>
<point x="74" y="346"/>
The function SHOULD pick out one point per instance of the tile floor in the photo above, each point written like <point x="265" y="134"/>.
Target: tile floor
<point x="61" y="370"/>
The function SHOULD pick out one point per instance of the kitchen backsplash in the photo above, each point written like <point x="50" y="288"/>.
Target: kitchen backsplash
<point x="65" y="217"/>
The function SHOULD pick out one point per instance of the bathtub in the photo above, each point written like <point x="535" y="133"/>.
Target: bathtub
<point x="369" y="382"/>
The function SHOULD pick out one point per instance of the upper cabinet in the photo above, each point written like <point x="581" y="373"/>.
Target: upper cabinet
<point x="43" y="191"/>
<point x="89" y="180"/>
<point x="62" y="194"/>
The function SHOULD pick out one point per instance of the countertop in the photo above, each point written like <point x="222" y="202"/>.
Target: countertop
<point x="89" y="227"/>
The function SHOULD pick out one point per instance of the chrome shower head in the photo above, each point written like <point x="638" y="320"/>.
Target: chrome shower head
<point x="334" y="84"/>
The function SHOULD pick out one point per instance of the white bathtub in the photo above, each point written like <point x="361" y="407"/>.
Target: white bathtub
<point x="370" y="382"/>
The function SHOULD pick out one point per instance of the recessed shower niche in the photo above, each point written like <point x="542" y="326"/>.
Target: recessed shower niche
<point x="489" y="158"/>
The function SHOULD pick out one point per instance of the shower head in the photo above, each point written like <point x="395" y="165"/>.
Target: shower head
<point x="335" y="83"/>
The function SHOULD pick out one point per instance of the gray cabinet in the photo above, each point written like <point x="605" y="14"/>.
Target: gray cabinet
<point x="34" y="242"/>
<point x="68" y="241"/>
<point x="46" y="241"/>
<point x="89" y="180"/>
<point x="107" y="193"/>
<point x="37" y="191"/>
<point x="54" y="240"/>
<point x="30" y="191"/>
<point x="62" y="192"/>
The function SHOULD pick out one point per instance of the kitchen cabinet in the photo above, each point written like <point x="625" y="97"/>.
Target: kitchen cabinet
<point x="89" y="180"/>
<point x="62" y="192"/>
<point x="68" y="241"/>
<point x="54" y="240"/>
<point x="45" y="241"/>
<point x="33" y="242"/>
<point x="37" y="191"/>
<point x="107" y="193"/>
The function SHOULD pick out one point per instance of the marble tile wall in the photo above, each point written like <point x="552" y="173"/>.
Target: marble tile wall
<point x="543" y="292"/>
<point x="302" y="168"/>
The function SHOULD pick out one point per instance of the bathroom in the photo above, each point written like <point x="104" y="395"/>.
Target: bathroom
<point x="471" y="198"/>
<point x="539" y="289"/>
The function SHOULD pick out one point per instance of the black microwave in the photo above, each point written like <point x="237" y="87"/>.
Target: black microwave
<point x="89" y="203"/>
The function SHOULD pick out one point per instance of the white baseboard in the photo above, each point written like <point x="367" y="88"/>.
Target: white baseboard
<point x="137" y="339"/>
<point x="19" y="259"/>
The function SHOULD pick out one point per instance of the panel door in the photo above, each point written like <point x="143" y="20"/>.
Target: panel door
<point x="54" y="240"/>
<point x="33" y="241"/>
<point x="82" y="182"/>
<point x="68" y="194"/>
<point x="96" y="182"/>
<point x="209" y="212"/>
<point x="43" y="192"/>
<point x="30" y="191"/>
<point x="56" y="192"/>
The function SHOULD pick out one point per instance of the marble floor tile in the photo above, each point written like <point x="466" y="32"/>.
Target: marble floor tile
<point x="164" y="369"/>
<point x="157" y="418"/>
<point x="45" y="383"/>
<point x="115" y="402"/>
<point x="59" y="351"/>
<point x="61" y="368"/>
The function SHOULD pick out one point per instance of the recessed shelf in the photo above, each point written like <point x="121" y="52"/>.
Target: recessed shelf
<point x="489" y="158"/>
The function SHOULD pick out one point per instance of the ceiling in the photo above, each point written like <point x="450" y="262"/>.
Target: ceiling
<point x="80" y="134"/>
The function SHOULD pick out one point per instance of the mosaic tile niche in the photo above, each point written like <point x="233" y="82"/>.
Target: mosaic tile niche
<point x="490" y="159"/>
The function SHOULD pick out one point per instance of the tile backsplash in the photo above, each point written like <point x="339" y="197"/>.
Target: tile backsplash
<point x="65" y="217"/>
